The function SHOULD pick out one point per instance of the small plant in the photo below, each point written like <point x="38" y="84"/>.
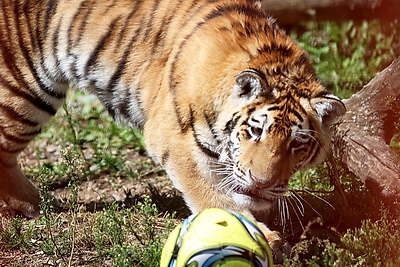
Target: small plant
<point x="373" y="244"/>
<point x="12" y="235"/>
<point x="131" y="237"/>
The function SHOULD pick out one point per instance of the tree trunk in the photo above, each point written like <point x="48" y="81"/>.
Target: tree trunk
<point x="292" y="11"/>
<point x="361" y="136"/>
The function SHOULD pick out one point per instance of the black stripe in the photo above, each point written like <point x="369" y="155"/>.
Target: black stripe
<point x="316" y="147"/>
<point x="10" y="112"/>
<point x="74" y="19"/>
<point x="32" y="133"/>
<point x="127" y="23"/>
<point x="149" y="24"/>
<point x="100" y="45"/>
<point x="7" y="56"/>
<point x="28" y="21"/>
<point x="159" y="36"/>
<point x="192" y="11"/>
<point x="10" y="151"/>
<point x="110" y="108"/>
<point x="231" y="124"/>
<point x="316" y="143"/>
<point x="34" y="100"/>
<point x="304" y="93"/>
<point x="297" y="114"/>
<point x="55" y="43"/>
<point x="299" y="107"/>
<point x="87" y="6"/>
<point x="203" y="147"/>
<point x="119" y="70"/>
<point x="36" y="40"/>
<point x="51" y="7"/>
<point x="244" y="123"/>
<point x="50" y="11"/>
<point x="166" y="23"/>
<point x="211" y="119"/>
<point x="165" y="157"/>
<point x="110" y="6"/>
<point x="292" y="107"/>
<point x="41" y="35"/>
<point x="13" y="138"/>
<point x="124" y="104"/>
<point x="274" y="47"/>
<point x="303" y="59"/>
<point x="276" y="107"/>
<point x="241" y="9"/>
<point x="137" y="95"/>
<point x="250" y="111"/>
<point x="28" y="59"/>
<point x="323" y="94"/>
<point x="113" y="82"/>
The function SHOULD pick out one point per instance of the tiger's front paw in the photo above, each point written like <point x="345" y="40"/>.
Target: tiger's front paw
<point x="276" y="244"/>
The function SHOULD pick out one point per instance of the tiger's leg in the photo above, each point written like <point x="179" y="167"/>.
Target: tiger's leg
<point x="17" y="190"/>
<point x="23" y="112"/>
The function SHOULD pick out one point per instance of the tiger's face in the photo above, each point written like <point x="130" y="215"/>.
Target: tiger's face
<point x="273" y="133"/>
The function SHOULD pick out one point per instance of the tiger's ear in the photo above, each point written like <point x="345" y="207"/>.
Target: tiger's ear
<point x="250" y="83"/>
<point x="328" y="107"/>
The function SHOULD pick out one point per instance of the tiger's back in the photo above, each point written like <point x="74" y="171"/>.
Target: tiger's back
<point x="229" y="105"/>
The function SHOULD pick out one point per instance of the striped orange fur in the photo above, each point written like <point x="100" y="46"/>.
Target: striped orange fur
<point x="228" y="104"/>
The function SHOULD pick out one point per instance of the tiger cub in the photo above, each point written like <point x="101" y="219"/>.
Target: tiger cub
<point x="228" y="104"/>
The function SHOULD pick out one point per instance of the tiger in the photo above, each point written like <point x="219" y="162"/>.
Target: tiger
<point x="228" y="104"/>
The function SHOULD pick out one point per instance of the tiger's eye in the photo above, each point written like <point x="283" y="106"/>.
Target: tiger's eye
<point x="256" y="131"/>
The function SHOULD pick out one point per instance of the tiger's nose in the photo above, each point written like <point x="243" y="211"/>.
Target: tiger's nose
<point x="260" y="184"/>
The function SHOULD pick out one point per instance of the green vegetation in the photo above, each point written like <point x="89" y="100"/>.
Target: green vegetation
<point x="373" y="244"/>
<point x="83" y="144"/>
<point x="348" y="54"/>
<point x="83" y="127"/>
<point x="117" y="235"/>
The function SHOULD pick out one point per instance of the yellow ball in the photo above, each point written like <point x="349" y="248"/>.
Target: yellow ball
<point x="216" y="237"/>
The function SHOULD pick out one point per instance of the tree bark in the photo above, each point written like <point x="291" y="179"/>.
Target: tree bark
<point x="361" y="136"/>
<point x="292" y="11"/>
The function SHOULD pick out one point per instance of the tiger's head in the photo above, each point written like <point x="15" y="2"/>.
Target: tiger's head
<point x="262" y="114"/>
<point x="279" y="123"/>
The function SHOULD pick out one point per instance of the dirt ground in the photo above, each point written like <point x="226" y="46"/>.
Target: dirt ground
<point x="92" y="196"/>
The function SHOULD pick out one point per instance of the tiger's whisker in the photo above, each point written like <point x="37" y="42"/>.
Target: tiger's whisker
<point x="298" y="202"/>
<point x="320" y="198"/>
<point x="308" y="203"/>
<point x="286" y="208"/>
<point x="280" y="211"/>
<point x="295" y="212"/>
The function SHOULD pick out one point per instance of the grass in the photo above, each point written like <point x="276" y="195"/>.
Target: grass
<point x="129" y="233"/>
<point x="347" y="55"/>
<point x="82" y="145"/>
